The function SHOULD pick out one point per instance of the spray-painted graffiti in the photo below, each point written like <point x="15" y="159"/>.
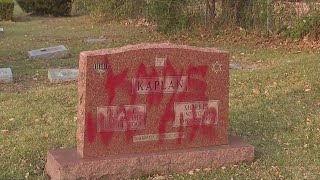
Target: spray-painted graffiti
<point x="199" y="117"/>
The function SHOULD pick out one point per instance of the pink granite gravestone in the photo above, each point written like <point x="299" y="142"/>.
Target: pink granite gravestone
<point x="150" y="108"/>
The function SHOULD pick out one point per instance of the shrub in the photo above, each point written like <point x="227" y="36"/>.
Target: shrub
<point x="307" y="25"/>
<point x="107" y="10"/>
<point x="169" y="15"/>
<point x="80" y="7"/>
<point x="115" y="9"/>
<point x="46" y="7"/>
<point x="25" y="5"/>
<point x="6" y="9"/>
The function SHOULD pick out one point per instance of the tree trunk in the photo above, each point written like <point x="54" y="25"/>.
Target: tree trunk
<point x="211" y="8"/>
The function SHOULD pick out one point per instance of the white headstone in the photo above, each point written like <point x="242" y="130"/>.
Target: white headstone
<point x="6" y="75"/>
<point x="99" y="40"/>
<point x="49" y="53"/>
<point x="236" y="66"/>
<point x="1" y="30"/>
<point x="63" y="75"/>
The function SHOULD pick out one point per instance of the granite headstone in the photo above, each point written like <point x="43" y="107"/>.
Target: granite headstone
<point x="150" y="108"/>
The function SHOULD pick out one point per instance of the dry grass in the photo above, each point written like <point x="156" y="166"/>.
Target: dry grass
<point x="276" y="107"/>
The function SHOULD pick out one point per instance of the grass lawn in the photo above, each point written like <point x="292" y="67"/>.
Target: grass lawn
<point x="275" y="105"/>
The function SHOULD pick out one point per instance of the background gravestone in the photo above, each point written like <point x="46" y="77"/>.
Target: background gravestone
<point x="1" y="30"/>
<point x="97" y="40"/>
<point x="236" y="66"/>
<point x="150" y="108"/>
<point x="49" y="53"/>
<point x="62" y="75"/>
<point x="6" y="75"/>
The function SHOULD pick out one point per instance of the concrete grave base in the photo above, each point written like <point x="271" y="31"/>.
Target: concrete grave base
<point x="67" y="164"/>
<point x="63" y="75"/>
<point x="49" y="53"/>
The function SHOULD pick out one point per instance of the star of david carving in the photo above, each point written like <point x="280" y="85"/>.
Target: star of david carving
<point x="216" y="67"/>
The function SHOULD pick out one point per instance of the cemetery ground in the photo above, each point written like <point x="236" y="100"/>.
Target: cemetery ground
<point x="274" y="100"/>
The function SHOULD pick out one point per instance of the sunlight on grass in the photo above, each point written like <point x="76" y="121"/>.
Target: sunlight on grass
<point x="33" y="123"/>
<point x="274" y="105"/>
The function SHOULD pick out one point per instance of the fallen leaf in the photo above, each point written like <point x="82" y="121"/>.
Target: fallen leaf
<point x="256" y="91"/>
<point x="308" y="122"/>
<point x="207" y="169"/>
<point x="4" y="131"/>
<point x="159" y="178"/>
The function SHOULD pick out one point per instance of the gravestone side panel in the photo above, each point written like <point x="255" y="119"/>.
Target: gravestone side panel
<point x="151" y="98"/>
<point x="6" y="75"/>
<point x="62" y="75"/>
<point x="49" y="53"/>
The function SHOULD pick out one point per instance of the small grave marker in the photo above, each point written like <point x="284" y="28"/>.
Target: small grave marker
<point x="1" y="30"/>
<point x="236" y="66"/>
<point x="6" y="75"/>
<point x="62" y="75"/>
<point x="97" y="40"/>
<point x="49" y="53"/>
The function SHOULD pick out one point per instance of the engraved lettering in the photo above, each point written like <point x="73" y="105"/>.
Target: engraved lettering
<point x="199" y="112"/>
<point x="155" y="137"/>
<point x="114" y="118"/>
<point x="168" y="84"/>
<point x="156" y="84"/>
<point x="149" y="87"/>
<point x="180" y="84"/>
<point x="140" y="86"/>
<point x="171" y="85"/>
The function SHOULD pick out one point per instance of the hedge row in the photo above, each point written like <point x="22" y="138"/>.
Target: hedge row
<point x="46" y="7"/>
<point x="6" y="9"/>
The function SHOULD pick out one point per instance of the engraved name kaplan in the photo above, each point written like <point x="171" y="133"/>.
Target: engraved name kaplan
<point x="169" y="84"/>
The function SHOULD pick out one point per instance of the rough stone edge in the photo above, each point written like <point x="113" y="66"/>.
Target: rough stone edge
<point x="54" y="169"/>
<point x="67" y="164"/>
<point x="145" y="46"/>
<point x="82" y="96"/>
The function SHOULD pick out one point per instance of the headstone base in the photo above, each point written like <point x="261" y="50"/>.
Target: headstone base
<point x="67" y="164"/>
